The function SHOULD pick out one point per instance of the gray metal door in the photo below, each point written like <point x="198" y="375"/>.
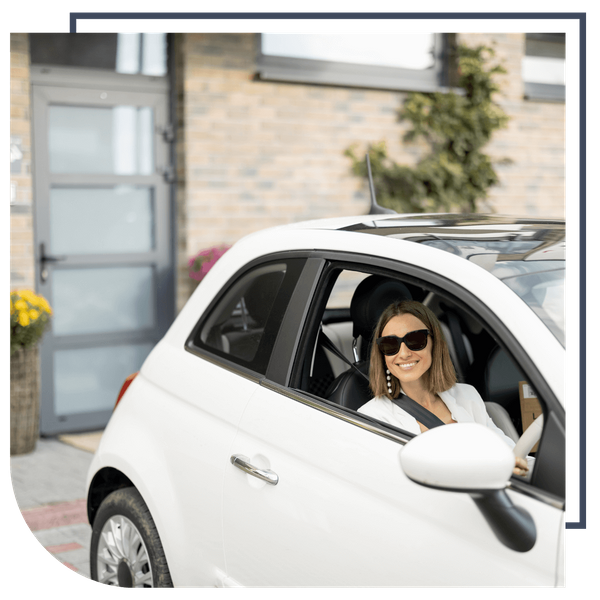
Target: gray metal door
<point x="103" y="239"/>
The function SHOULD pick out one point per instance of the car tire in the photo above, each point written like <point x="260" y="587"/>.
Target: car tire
<point x="125" y="548"/>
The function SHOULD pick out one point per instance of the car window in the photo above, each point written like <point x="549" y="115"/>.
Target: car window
<point x="243" y="324"/>
<point x="479" y="359"/>
<point x="533" y="269"/>
<point x="544" y="292"/>
<point x="343" y="289"/>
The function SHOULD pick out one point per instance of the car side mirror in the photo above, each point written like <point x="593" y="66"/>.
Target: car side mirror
<point x="470" y="458"/>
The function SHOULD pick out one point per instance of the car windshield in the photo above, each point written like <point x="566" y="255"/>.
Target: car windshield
<point x="533" y="270"/>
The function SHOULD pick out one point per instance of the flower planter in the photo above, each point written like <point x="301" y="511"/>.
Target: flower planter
<point x="24" y="400"/>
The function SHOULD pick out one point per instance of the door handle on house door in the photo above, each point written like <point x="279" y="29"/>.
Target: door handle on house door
<point x="46" y="258"/>
<point x="241" y="462"/>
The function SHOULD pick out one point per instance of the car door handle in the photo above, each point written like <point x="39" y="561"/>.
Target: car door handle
<point x="241" y="462"/>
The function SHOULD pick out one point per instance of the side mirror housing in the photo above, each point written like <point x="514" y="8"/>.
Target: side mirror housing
<point x="470" y="458"/>
<point x="462" y="457"/>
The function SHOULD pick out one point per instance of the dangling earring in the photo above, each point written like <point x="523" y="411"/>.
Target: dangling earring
<point x="389" y="382"/>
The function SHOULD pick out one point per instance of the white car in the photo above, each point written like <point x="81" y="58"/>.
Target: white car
<point x="237" y="457"/>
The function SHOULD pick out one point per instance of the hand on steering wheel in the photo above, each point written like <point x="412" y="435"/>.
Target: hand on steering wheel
<point x="527" y="441"/>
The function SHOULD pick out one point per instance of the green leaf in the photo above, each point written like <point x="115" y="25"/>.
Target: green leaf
<point x="454" y="174"/>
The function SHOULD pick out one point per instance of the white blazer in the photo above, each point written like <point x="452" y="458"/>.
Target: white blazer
<point x="463" y="401"/>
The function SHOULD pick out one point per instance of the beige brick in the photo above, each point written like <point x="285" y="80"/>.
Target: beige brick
<point x="257" y="154"/>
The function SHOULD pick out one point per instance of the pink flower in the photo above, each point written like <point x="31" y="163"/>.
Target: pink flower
<point x="200" y="264"/>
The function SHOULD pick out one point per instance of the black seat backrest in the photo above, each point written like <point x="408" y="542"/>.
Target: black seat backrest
<point x="502" y="384"/>
<point x="458" y="342"/>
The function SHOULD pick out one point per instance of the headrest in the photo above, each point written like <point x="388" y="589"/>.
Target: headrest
<point x="261" y="294"/>
<point x="371" y="297"/>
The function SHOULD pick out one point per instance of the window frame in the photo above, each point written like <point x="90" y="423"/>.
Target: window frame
<point x="547" y="92"/>
<point x="333" y="73"/>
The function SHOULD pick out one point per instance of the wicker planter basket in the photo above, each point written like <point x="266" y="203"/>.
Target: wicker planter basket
<point x="24" y="400"/>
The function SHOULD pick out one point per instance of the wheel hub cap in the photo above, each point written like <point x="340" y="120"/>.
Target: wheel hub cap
<point x="123" y="558"/>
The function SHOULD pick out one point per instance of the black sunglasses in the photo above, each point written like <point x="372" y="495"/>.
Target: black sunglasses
<point x="414" y="340"/>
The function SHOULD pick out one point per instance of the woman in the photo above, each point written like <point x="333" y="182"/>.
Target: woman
<point x="411" y="356"/>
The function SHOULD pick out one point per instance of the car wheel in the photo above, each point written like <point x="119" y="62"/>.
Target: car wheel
<point x="125" y="548"/>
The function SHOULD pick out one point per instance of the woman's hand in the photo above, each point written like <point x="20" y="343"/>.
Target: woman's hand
<point x="521" y="467"/>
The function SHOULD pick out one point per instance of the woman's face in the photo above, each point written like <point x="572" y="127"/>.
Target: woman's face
<point x="407" y="365"/>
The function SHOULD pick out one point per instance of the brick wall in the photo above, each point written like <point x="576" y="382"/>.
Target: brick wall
<point x="21" y="221"/>
<point x="259" y="154"/>
<point x="256" y="154"/>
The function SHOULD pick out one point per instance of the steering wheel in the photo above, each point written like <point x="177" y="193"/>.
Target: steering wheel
<point x="529" y="439"/>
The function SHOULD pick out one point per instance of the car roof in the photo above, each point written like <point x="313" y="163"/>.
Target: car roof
<point x="547" y="235"/>
<point x="378" y="222"/>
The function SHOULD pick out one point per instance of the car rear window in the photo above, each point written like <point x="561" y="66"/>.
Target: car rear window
<point x="243" y="325"/>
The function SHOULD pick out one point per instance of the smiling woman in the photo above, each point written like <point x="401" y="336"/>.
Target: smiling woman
<point x="411" y="367"/>
<point x="411" y="358"/>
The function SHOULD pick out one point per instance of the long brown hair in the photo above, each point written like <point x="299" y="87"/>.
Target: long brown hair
<point x="440" y="377"/>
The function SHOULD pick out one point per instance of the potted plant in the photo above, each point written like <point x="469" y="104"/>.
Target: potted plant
<point x="29" y="317"/>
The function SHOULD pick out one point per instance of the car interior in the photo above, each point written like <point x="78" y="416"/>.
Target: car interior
<point x="354" y="304"/>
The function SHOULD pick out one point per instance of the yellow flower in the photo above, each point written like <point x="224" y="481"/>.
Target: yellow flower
<point x="23" y="300"/>
<point x="21" y="305"/>
<point x="23" y="319"/>
<point x="34" y="314"/>
<point x="27" y="295"/>
<point x="43" y="304"/>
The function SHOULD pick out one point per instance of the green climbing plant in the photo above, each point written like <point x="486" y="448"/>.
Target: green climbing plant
<point x="454" y="173"/>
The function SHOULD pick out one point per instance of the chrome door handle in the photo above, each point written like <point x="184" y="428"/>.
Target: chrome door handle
<point x="241" y="462"/>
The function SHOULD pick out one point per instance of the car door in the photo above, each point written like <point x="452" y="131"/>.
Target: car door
<point x="339" y="510"/>
<point x="344" y="514"/>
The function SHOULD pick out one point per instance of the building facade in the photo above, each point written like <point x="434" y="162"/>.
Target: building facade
<point x="241" y="140"/>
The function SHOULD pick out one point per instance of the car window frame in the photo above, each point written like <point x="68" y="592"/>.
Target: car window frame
<point x="263" y="356"/>
<point x="554" y="428"/>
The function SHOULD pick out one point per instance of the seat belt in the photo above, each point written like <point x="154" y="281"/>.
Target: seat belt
<point x="329" y="345"/>
<point x="420" y="413"/>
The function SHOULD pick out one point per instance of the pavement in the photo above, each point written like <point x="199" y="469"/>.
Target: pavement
<point x="49" y="486"/>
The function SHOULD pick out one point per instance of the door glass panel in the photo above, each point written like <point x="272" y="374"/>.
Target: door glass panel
<point x="110" y="140"/>
<point x="101" y="300"/>
<point x="101" y="220"/>
<point x="144" y="53"/>
<point x="88" y="380"/>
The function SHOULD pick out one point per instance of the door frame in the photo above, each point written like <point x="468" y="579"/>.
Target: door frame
<point x="62" y="84"/>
